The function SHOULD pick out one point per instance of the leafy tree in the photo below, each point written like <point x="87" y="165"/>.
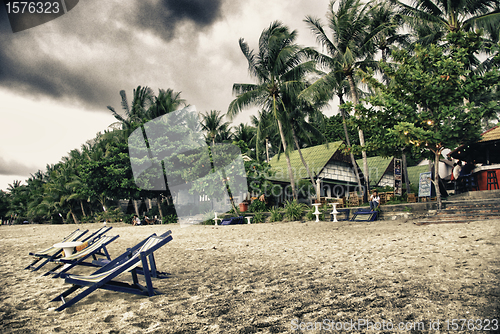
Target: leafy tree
<point x="4" y="204"/>
<point x="423" y="107"/>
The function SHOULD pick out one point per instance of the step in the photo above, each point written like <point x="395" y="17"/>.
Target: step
<point x="495" y="210"/>
<point x="471" y="195"/>
<point x="440" y="219"/>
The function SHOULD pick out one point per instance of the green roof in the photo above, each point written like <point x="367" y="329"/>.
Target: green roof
<point x="316" y="158"/>
<point x="377" y="166"/>
<point x="414" y="173"/>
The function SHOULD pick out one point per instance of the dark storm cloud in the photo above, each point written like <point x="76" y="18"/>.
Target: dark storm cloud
<point x="28" y="70"/>
<point x="162" y="17"/>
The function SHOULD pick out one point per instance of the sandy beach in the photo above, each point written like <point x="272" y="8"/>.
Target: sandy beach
<point x="272" y="278"/>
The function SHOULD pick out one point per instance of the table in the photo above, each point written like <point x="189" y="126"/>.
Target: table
<point x="68" y="246"/>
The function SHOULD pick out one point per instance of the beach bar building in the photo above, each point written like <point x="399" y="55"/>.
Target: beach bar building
<point x="485" y="155"/>
<point x="332" y="171"/>
<point x="380" y="170"/>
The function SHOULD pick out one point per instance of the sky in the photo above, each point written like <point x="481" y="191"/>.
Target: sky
<point x="57" y="79"/>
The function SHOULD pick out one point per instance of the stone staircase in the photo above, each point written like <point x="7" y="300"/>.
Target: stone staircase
<point x="466" y="207"/>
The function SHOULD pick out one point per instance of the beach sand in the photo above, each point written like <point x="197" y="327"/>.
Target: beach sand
<point x="270" y="278"/>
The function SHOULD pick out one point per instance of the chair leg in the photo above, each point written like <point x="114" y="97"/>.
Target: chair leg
<point x="76" y="298"/>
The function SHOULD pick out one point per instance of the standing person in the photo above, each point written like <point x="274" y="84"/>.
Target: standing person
<point x="136" y="221"/>
<point x="374" y="200"/>
<point x="457" y="168"/>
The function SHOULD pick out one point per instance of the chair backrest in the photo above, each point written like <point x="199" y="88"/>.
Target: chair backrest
<point x="76" y="234"/>
<point x="91" y="248"/>
<point x="98" y="233"/>
<point x="151" y="242"/>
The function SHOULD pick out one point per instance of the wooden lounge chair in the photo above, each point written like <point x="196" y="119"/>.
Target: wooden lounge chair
<point x="233" y="221"/>
<point x="365" y="215"/>
<point x="104" y="277"/>
<point x="153" y="271"/>
<point x="52" y="252"/>
<point x="94" y="248"/>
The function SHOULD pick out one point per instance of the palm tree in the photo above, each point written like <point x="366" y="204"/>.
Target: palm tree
<point x="433" y="19"/>
<point x="265" y="129"/>
<point x="143" y="99"/>
<point x="351" y="48"/>
<point x="278" y="67"/>
<point x="166" y="102"/>
<point x="213" y="123"/>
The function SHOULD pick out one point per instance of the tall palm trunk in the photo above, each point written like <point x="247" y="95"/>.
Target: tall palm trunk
<point x="437" y="153"/>
<point x="344" y="123"/>
<point x="158" y="202"/>
<point x="318" y="194"/>
<point x="354" y="94"/>
<point x="73" y="215"/>
<point x="224" y="180"/>
<point x="267" y="149"/>
<point x="83" y="209"/>
<point x="289" y="165"/>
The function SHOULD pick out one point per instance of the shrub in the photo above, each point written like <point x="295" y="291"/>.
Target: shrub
<point x="112" y="215"/>
<point x="294" y="210"/>
<point x="275" y="215"/>
<point x="258" y="218"/>
<point x="257" y="206"/>
<point x="169" y="219"/>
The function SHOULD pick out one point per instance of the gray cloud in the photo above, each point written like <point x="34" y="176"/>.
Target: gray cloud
<point x="111" y="53"/>
<point x="15" y="168"/>
<point x="162" y="17"/>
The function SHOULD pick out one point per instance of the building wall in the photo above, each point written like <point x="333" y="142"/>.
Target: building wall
<point x="387" y="180"/>
<point x="338" y="170"/>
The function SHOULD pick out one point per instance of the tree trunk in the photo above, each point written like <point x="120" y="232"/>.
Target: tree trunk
<point x="405" y="173"/>
<point x="290" y="172"/>
<point x="267" y="150"/>
<point x="136" y="208"/>
<point x="73" y="215"/>
<point x="83" y="209"/>
<point x="158" y="199"/>
<point x="437" y="153"/>
<point x="318" y="195"/>
<point x="354" y="94"/>
<point x="353" y="161"/>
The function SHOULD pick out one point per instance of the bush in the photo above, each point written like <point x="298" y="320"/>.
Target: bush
<point x="257" y="206"/>
<point x="275" y="215"/>
<point x="112" y="215"/>
<point x="169" y="219"/>
<point x="294" y="210"/>
<point x="258" y="218"/>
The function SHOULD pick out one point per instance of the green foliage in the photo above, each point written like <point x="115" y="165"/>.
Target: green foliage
<point x="258" y="218"/>
<point x="169" y="219"/>
<point x="275" y="215"/>
<point x="294" y="210"/>
<point x="257" y="206"/>
<point x="111" y="215"/>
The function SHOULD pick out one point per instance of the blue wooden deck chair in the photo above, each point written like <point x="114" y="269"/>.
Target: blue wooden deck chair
<point x="153" y="271"/>
<point x="103" y="278"/>
<point x="52" y="252"/>
<point x="365" y="215"/>
<point x="233" y="221"/>
<point x="94" y="248"/>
